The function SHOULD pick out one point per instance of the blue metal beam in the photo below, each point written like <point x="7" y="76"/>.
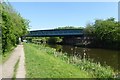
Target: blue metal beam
<point x="56" y="33"/>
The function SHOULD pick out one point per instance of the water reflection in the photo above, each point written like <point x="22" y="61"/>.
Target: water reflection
<point x="105" y="57"/>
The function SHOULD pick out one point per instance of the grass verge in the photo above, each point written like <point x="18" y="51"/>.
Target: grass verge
<point x="40" y="64"/>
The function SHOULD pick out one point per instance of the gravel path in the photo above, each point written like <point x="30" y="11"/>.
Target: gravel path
<point x="0" y="72"/>
<point x="21" y="67"/>
<point x="8" y="66"/>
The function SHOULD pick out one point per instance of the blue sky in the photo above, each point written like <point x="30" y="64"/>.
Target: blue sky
<point x="49" y="15"/>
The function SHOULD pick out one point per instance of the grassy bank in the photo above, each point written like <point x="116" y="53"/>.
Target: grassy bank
<point x="45" y="62"/>
<point x="41" y="64"/>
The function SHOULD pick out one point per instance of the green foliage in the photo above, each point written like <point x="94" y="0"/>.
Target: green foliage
<point x="106" y="29"/>
<point x="89" y="30"/>
<point x="106" y="32"/>
<point x="51" y="40"/>
<point x="13" y="26"/>
<point x="95" y="68"/>
<point x="38" y="40"/>
<point x="54" y="39"/>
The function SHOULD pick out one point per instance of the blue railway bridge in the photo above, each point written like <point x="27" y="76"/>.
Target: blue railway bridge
<point x="56" y="33"/>
<point x="70" y="36"/>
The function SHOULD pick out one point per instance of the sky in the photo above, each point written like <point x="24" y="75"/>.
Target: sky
<point x="50" y="15"/>
<point x="62" y="0"/>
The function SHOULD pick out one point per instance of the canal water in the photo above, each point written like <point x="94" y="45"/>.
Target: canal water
<point x="105" y="57"/>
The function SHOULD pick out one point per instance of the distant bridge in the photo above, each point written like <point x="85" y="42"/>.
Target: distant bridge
<point x="56" y="33"/>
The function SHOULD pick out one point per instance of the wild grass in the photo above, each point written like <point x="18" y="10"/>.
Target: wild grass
<point x="41" y="63"/>
<point x="96" y="70"/>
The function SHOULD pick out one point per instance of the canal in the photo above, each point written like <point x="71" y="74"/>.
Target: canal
<point x="105" y="57"/>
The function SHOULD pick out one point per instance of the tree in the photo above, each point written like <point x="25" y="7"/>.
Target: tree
<point x="89" y="30"/>
<point x="13" y="26"/>
<point x="105" y="32"/>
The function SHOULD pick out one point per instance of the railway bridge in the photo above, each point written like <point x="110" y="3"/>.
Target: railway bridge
<point x="70" y="36"/>
<point x="56" y="33"/>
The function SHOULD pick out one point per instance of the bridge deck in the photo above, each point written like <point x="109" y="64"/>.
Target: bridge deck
<point x="57" y="32"/>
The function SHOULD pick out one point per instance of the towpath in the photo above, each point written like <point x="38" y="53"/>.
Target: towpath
<point x="7" y="68"/>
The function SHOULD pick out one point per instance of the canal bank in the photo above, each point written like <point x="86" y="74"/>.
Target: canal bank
<point x="41" y="63"/>
<point x="104" y="56"/>
<point x="35" y="51"/>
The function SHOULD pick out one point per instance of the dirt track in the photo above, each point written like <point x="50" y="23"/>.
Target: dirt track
<point x="8" y="67"/>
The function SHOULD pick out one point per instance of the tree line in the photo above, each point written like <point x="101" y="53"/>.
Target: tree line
<point x="13" y="26"/>
<point x="106" y="33"/>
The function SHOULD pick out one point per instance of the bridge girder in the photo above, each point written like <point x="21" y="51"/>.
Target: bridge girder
<point x="56" y="33"/>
